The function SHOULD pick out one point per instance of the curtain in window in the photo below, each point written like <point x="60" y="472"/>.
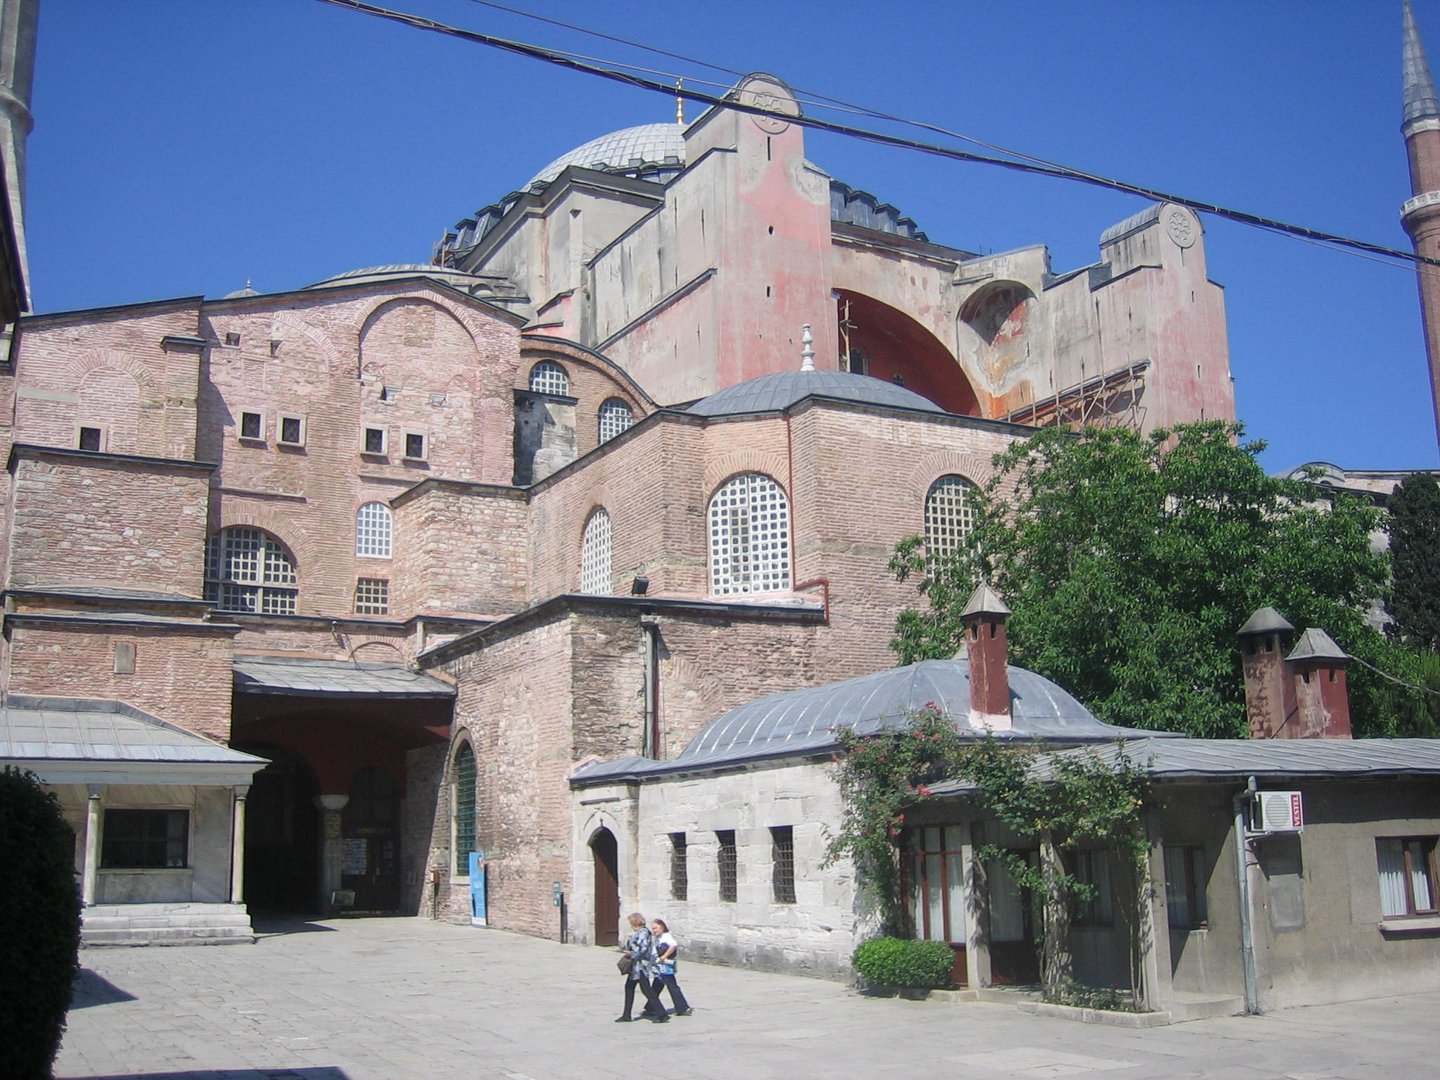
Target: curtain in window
<point x="1007" y="905"/>
<point x="1391" y="857"/>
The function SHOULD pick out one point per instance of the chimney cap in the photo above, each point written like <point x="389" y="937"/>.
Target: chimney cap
<point x="1265" y="621"/>
<point x="1317" y="645"/>
<point x="984" y="601"/>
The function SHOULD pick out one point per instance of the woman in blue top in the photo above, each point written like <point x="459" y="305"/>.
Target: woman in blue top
<point x="667" y="951"/>
<point x="640" y="947"/>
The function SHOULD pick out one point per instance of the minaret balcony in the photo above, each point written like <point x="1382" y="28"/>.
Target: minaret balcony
<point x="1419" y="202"/>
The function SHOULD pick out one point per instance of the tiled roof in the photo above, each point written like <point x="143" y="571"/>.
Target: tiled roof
<point x="333" y="678"/>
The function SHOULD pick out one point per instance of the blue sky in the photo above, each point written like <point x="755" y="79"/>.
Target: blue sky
<point x="183" y="147"/>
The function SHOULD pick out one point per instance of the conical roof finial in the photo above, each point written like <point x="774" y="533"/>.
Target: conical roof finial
<point x="807" y="354"/>
<point x="1421" y="101"/>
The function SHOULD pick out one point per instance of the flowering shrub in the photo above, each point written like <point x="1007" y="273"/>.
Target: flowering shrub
<point x="889" y="961"/>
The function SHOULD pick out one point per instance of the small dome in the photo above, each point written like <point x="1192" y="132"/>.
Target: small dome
<point x="622" y="151"/>
<point x="240" y="294"/>
<point x="369" y="274"/>
<point x="773" y="393"/>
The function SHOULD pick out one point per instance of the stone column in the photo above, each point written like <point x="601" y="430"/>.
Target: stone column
<point x="92" y="846"/>
<point x="977" y="913"/>
<point x="332" y="846"/>
<point x="237" y="847"/>
<point x="1152" y="918"/>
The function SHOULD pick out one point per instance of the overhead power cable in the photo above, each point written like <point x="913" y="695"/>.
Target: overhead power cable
<point x="1036" y="168"/>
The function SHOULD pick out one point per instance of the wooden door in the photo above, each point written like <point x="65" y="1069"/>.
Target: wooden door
<point x="607" y="888"/>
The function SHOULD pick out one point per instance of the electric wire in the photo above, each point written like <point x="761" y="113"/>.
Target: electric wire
<point x="1401" y="682"/>
<point x="643" y="82"/>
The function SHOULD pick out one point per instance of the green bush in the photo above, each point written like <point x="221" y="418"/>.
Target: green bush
<point x="40" y="914"/>
<point x="889" y="961"/>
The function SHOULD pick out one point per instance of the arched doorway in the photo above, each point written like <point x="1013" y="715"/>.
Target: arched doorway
<point x="607" y="887"/>
<point x="368" y="827"/>
<point x="282" y="834"/>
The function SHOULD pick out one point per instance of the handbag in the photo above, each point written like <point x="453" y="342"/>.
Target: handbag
<point x="625" y="963"/>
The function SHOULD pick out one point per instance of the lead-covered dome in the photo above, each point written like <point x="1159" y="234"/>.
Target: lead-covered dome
<point x="774" y="393"/>
<point x="627" y="150"/>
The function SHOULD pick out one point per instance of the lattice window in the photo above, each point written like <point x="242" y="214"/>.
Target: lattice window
<point x="372" y="596"/>
<point x="246" y="570"/>
<point x="679" y="867"/>
<point x="463" y="815"/>
<point x="374" y="531"/>
<point x="595" y="555"/>
<point x="548" y="377"/>
<point x="145" y="840"/>
<point x="949" y="515"/>
<point x="782" y="863"/>
<point x="749" y="537"/>
<point x="726" y="862"/>
<point x="615" y="417"/>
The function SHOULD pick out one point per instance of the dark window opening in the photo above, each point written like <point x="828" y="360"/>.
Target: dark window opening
<point x="90" y="438"/>
<point x="782" y="863"/>
<point x="726" y="860"/>
<point x="145" y="840"/>
<point x="679" y="870"/>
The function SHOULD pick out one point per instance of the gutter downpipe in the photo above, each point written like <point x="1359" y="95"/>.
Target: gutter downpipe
<point x="650" y="628"/>
<point x="1247" y="926"/>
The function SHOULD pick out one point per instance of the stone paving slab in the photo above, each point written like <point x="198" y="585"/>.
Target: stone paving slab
<point x="392" y="999"/>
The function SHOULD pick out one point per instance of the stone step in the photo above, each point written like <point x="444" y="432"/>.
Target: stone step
<point x="170" y="936"/>
<point x="165" y="924"/>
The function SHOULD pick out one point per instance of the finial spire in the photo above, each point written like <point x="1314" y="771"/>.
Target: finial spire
<point x="1421" y="101"/>
<point x="679" y="101"/>
<point x="807" y="353"/>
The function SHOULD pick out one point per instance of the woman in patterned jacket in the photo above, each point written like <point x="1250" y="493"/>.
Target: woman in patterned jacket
<point x="640" y="947"/>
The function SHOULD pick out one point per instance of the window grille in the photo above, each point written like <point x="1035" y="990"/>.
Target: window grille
<point x="679" y="869"/>
<point x="246" y="570"/>
<point x="375" y="441"/>
<point x="292" y="431"/>
<point x="372" y="596"/>
<point x="615" y="417"/>
<point x="252" y="425"/>
<point x="749" y="537"/>
<point x="145" y="840"/>
<point x="595" y="579"/>
<point x="949" y="515"/>
<point x="374" y="531"/>
<point x="548" y="377"/>
<point x="782" y="863"/>
<point x="91" y="438"/>
<point x="464" y="813"/>
<point x="726" y="859"/>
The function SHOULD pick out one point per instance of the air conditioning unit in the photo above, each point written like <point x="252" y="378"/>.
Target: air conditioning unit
<point x="1277" y="812"/>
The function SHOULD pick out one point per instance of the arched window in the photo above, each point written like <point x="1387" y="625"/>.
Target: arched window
<point x="615" y="417"/>
<point x="949" y="514"/>
<point x="749" y="537"/>
<point x="595" y="555"/>
<point x="548" y="377"/>
<point x="246" y="570"/>
<point x="462" y="808"/>
<point x="374" y="531"/>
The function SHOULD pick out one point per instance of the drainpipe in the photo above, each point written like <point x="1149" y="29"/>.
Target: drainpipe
<point x="1247" y="926"/>
<point x="650" y="627"/>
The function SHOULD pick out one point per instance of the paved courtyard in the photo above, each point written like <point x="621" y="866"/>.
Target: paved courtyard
<point x="391" y="999"/>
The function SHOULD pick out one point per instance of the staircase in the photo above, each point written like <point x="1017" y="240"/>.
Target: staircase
<point x="166" y="924"/>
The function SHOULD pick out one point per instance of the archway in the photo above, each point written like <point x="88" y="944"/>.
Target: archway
<point x="877" y="339"/>
<point x="282" y="833"/>
<point x="605" y="855"/>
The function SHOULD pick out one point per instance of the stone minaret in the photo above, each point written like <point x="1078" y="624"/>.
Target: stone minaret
<point x="1421" y="214"/>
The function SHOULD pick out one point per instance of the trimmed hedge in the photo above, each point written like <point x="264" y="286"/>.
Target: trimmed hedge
<point x="40" y="913"/>
<point x="889" y="961"/>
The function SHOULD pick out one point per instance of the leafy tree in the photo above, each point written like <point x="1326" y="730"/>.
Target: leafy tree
<point x="1414" y="601"/>
<point x="1130" y="560"/>
<point x="40" y="911"/>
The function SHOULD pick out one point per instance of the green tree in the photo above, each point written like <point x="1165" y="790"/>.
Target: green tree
<point x="1414" y="601"/>
<point x="40" y="911"/>
<point x="1130" y="560"/>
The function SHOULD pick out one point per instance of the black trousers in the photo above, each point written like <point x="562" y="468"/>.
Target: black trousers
<point x="676" y="994"/>
<point x="652" y="998"/>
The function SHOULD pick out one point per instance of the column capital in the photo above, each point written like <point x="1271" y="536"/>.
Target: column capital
<point x="332" y="802"/>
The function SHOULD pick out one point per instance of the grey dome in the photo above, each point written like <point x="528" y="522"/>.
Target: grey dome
<point x="801" y="723"/>
<point x="772" y="393"/>
<point x="621" y="151"/>
<point x="391" y="271"/>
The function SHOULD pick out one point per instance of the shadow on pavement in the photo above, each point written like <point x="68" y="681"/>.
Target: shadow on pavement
<point x="325" y="1072"/>
<point x="93" y="989"/>
<point x="273" y="925"/>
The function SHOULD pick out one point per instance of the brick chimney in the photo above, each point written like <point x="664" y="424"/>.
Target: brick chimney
<point x="1269" y="692"/>
<point x="1322" y="696"/>
<point x="984" y="618"/>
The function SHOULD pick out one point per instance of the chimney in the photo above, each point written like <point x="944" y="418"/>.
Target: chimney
<point x="1322" y="698"/>
<point x="1269" y="693"/>
<point x="984" y="619"/>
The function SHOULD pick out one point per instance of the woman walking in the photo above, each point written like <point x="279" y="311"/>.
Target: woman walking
<point x="640" y="948"/>
<point x="667" y="950"/>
